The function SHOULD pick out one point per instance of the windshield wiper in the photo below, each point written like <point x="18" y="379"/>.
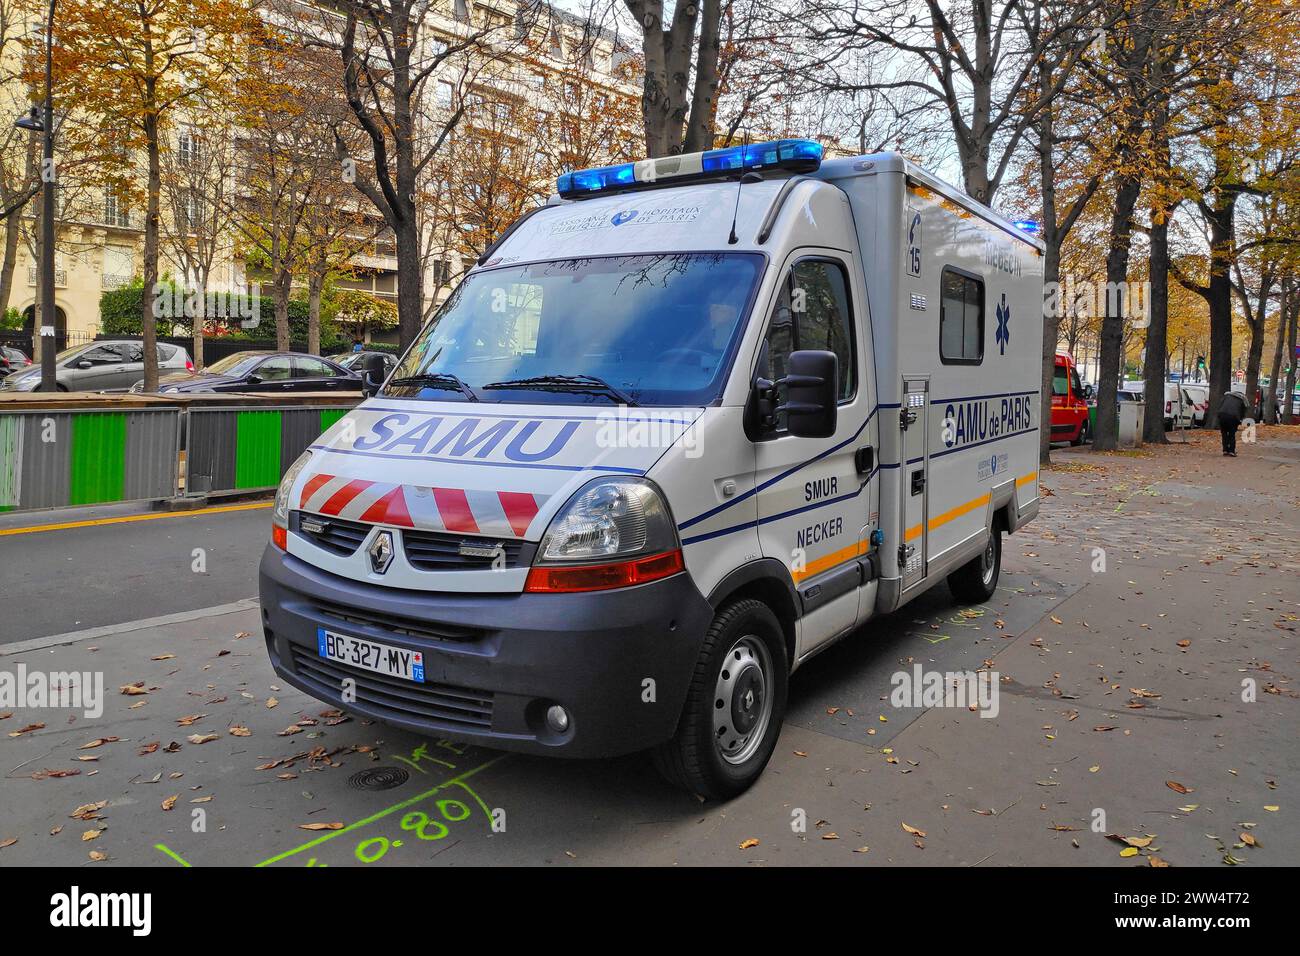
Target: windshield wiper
<point x="568" y="383"/>
<point x="438" y="380"/>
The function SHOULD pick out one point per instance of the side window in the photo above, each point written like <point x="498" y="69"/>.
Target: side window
<point x="102" y="355"/>
<point x="1058" y="381"/>
<point x="961" y="318"/>
<point x="313" y="368"/>
<point x="812" y="312"/>
<point x="275" y="369"/>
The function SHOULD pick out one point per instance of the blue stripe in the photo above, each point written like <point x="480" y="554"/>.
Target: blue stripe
<point x="786" y="514"/>
<point x="977" y="398"/>
<point x="785" y="474"/>
<point x="950" y="451"/>
<point x="469" y="461"/>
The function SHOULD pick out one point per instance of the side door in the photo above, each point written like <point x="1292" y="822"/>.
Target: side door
<point x="132" y="370"/>
<point x="813" y="503"/>
<point x="315" y="375"/>
<point x="96" y="369"/>
<point x="275" y="374"/>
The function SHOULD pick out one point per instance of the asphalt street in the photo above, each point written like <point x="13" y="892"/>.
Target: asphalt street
<point x="1143" y="639"/>
<point x="122" y="563"/>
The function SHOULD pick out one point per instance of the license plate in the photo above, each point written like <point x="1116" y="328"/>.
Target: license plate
<point x="370" y="655"/>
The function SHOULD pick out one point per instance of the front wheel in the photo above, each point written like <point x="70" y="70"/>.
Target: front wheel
<point x="976" y="580"/>
<point x="734" y="707"/>
<point x="1083" y="434"/>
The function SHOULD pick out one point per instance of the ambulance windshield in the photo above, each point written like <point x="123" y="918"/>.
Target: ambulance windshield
<point x="638" y="330"/>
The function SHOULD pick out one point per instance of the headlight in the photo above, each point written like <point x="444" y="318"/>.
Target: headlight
<point x="615" y="532"/>
<point x="610" y="518"/>
<point x="280" y="514"/>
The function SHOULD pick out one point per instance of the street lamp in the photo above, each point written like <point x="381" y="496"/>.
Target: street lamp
<point x="42" y="121"/>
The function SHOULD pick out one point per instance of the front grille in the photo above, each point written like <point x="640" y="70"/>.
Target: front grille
<point x="336" y="536"/>
<point x="440" y="551"/>
<point x="394" y="697"/>
<point x="406" y="626"/>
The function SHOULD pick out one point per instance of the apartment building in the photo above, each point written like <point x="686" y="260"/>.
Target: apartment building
<point x="554" y="90"/>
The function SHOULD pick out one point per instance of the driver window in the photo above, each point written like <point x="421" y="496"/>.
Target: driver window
<point x="811" y="312"/>
<point x="314" y="368"/>
<point x="275" y="369"/>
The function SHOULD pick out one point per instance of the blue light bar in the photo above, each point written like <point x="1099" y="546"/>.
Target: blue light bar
<point x="782" y="153"/>
<point x="795" y="155"/>
<point x="596" y="180"/>
<point x="1026" y="225"/>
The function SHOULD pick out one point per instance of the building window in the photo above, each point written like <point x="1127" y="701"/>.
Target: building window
<point x="187" y="148"/>
<point x="961" y="318"/>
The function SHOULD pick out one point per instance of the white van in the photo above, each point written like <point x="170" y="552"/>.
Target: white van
<point x="682" y="428"/>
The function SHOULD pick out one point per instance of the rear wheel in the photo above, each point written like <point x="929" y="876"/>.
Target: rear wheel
<point x="976" y="580"/>
<point x="734" y="707"/>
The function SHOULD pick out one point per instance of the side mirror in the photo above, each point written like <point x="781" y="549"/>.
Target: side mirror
<point x="812" y="393"/>
<point x="254" y="380"/>
<point x="373" y="375"/>
<point x="85" y="363"/>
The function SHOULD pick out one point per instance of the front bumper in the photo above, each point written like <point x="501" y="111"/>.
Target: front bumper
<point x="494" y="663"/>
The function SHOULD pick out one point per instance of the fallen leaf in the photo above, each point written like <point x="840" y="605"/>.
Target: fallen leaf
<point x="1129" y="851"/>
<point x="240" y="731"/>
<point x="1177" y="787"/>
<point x="201" y="738"/>
<point x="98" y="856"/>
<point x="748" y="844"/>
<point x="170" y="801"/>
<point x="133" y="689"/>
<point x="913" y="830"/>
<point x="320" y="826"/>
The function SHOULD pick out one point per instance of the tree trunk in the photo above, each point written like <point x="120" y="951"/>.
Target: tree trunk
<point x="281" y="286"/>
<point x="1255" y="353"/>
<point x="148" y="317"/>
<point x="1290" y="318"/>
<point x="1156" y="365"/>
<point x="12" y="225"/>
<point x="409" y="281"/>
<point x="1219" y="298"/>
<point x="315" y="282"/>
<point x="1275" y="367"/>
<point x="1106" y="436"/>
<point x="1053" y="304"/>
<point x="704" y="101"/>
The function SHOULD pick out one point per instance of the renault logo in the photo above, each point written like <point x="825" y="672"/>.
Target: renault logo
<point x="381" y="552"/>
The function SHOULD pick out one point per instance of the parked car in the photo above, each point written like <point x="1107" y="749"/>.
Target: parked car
<point x="1179" y="408"/>
<point x="12" y="360"/>
<point x="356" y="361"/>
<point x="276" y="372"/>
<point x="1070" y="418"/>
<point x="101" y="366"/>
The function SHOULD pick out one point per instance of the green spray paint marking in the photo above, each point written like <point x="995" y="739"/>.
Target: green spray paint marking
<point x="257" y="450"/>
<point x="385" y="812"/>
<point x="98" y="467"/>
<point x="171" y="853"/>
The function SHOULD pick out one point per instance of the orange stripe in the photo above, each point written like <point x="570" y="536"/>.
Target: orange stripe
<point x="1026" y="479"/>
<point x="834" y="559"/>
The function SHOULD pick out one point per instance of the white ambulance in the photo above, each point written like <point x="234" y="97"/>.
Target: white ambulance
<point x="682" y="428"/>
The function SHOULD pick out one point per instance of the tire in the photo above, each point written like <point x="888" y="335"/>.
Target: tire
<point x="976" y="580"/>
<point x="708" y="756"/>
<point x="1083" y="434"/>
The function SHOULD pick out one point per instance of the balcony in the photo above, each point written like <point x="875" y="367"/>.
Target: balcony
<point x="60" y="277"/>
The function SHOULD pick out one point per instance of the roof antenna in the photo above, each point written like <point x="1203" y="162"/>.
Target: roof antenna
<point x="744" y="158"/>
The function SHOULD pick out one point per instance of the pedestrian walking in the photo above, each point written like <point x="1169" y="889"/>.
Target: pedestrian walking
<point x="1232" y="409"/>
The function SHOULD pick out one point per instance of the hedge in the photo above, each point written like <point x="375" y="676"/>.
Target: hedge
<point x="120" y="309"/>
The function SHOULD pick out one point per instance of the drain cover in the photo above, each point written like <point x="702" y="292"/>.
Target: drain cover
<point x="378" y="778"/>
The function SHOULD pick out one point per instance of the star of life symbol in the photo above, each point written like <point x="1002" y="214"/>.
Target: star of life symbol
<point x="1003" y="333"/>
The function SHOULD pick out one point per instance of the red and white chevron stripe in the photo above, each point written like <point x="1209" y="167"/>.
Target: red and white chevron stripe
<point x="501" y="514"/>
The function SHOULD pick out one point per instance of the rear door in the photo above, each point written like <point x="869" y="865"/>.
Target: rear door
<point x="316" y="375"/>
<point x="813" y="505"/>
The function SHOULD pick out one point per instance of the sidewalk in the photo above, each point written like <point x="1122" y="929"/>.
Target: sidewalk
<point x="1116" y="686"/>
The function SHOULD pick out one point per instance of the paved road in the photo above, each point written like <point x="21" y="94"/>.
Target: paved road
<point x="134" y="564"/>
<point x="1123" y="714"/>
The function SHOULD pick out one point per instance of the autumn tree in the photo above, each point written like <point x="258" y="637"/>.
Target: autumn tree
<point x="141" y="62"/>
